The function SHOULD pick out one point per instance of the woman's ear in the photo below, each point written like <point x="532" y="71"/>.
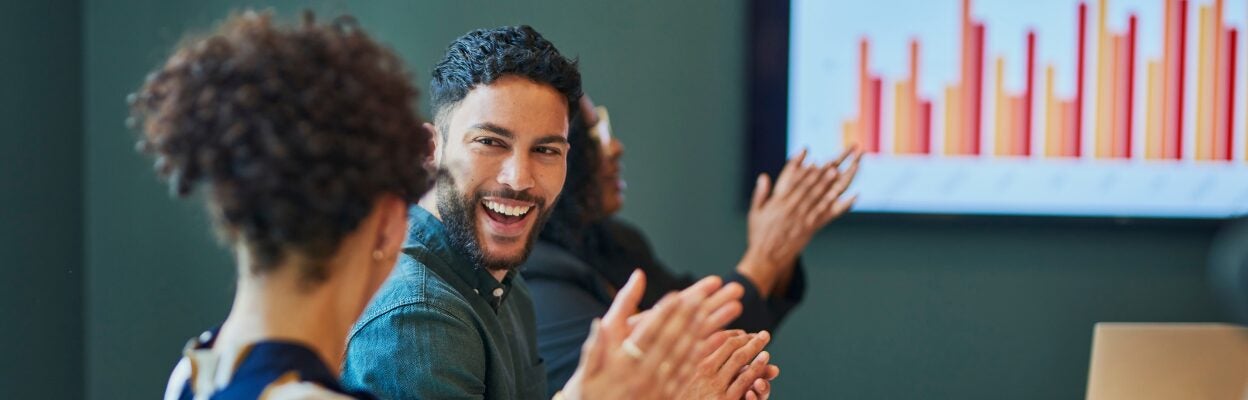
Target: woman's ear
<point x="392" y="231"/>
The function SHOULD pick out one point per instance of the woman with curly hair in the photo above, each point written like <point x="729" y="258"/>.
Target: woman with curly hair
<point x="306" y="141"/>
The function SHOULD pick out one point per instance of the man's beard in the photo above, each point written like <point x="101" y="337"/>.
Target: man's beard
<point x="459" y="215"/>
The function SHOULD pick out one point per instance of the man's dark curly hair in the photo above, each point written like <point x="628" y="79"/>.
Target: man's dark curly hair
<point x="482" y="56"/>
<point x="295" y="130"/>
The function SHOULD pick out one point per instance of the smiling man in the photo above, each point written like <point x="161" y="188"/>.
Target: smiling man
<point x="455" y="320"/>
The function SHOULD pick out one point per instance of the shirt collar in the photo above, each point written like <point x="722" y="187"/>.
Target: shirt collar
<point x="426" y="230"/>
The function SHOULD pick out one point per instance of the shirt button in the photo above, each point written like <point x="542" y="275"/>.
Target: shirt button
<point x="498" y="292"/>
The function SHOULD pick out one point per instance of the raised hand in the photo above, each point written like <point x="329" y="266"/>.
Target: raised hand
<point x="784" y="218"/>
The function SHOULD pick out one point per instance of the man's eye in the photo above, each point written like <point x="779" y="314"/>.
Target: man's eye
<point x="490" y="142"/>
<point x="548" y="150"/>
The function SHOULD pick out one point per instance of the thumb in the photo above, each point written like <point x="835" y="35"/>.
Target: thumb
<point x="626" y="301"/>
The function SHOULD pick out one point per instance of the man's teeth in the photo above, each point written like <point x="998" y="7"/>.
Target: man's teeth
<point x="514" y="211"/>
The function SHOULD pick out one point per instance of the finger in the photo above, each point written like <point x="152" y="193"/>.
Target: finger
<point x="785" y="180"/>
<point x="746" y="378"/>
<point x="658" y="317"/>
<point x="626" y="300"/>
<point x="708" y="346"/>
<point x="847" y="178"/>
<point x="761" y="386"/>
<point x="744" y="354"/>
<point x="828" y="177"/>
<point x="762" y="188"/>
<point x="773" y="372"/>
<point x="722" y="316"/>
<point x="820" y="213"/>
<point x="593" y="351"/>
<point x="751" y="396"/>
<point x="849" y="151"/>
<point x="662" y="347"/>
<point x="840" y="208"/>
<point x="720" y="356"/>
<point x="806" y="179"/>
<point x="705" y="286"/>
<point x="719" y="309"/>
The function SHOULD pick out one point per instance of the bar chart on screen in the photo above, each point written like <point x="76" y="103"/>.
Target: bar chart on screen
<point x="1069" y="107"/>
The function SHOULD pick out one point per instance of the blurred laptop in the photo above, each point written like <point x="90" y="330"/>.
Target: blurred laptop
<point x="1155" y="361"/>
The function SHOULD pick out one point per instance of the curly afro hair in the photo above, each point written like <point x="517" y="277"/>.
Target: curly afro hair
<point x="295" y="131"/>
<point x="482" y="56"/>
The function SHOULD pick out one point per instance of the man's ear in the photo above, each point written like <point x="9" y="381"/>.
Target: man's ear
<point x="435" y="139"/>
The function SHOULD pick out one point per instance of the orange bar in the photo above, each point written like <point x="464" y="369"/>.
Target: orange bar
<point x="1203" y="86"/>
<point x="1072" y="145"/>
<point x="902" y="140"/>
<point x="863" y="124"/>
<point x="1217" y="79"/>
<point x="850" y="134"/>
<point x="1119" y="99"/>
<point x="953" y="120"/>
<point x="1104" y="61"/>
<point x="1050" y="134"/>
<point x="1152" y="132"/>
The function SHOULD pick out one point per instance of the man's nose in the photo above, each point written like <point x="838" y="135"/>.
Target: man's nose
<point x="517" y="174"/>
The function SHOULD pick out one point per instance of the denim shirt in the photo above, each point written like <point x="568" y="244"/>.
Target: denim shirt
<point x="442" y="328"/>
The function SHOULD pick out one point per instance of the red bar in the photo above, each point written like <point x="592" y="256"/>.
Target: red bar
<point x="925" y="143"/>
<point x="1182" y="56"/>
<point x="1230" y="98"/>
<point x="978" y="94"/>
<point x="1028" y="97"/>
<point x="876" y="85"/>
<point x="1131" y="35"/>
<point x="1081" y="62"/>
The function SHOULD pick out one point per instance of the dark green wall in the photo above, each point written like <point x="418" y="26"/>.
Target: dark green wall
<point x="41" y="201"/>
<point x="895" y="309"/>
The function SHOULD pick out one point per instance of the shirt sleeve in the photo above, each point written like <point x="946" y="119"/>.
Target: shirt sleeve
<point x="416" y="351"/>
<point x="758" y="313"/>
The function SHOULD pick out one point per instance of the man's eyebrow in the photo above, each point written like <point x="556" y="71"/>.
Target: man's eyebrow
<point x="506" y="133"/>
<point x="498" y="130"/>
<point x="558" y="139"/>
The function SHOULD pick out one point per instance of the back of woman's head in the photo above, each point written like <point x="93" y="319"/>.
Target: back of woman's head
<point x="295" y="131"/>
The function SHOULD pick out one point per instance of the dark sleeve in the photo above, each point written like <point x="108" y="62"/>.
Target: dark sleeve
<point x="757" y="313"/>
<point x="565" y="311"/>
<point x="766" y="314"/>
